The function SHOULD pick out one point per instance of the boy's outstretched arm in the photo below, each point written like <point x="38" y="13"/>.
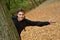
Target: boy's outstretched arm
<point x="38" y="23"/>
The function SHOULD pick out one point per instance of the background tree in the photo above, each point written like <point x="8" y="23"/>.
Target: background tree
<point x="13" y="5"/>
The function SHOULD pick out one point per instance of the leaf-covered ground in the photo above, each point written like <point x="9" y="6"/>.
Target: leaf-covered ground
<point x="50" y="10"/>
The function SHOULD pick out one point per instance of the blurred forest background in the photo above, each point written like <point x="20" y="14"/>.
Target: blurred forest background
<point x="13" y="5"/>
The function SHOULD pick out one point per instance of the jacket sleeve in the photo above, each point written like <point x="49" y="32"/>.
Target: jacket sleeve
<point x="16" y="24"/>
<point x="37" y="23"/>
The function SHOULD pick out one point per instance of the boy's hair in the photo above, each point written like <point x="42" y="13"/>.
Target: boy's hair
<point x="20" y="10"/>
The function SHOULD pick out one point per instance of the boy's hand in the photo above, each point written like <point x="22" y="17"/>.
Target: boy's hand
<point x="52" y="22"/>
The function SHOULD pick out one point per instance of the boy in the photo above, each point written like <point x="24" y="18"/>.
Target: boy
<point x="21" y="22"/>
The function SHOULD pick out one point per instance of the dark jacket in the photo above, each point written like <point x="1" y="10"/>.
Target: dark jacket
<point x="25" y="22"/>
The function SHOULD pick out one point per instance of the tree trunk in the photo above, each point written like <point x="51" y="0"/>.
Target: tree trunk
<point x="7" y="28"/>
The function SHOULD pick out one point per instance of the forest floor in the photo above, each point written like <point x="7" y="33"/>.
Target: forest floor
<point x="49" y="10"/>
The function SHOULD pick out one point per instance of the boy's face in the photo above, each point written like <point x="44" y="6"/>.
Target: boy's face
<point x="21" y="16"/>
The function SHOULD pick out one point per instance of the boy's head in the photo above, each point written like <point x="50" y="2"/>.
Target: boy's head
<point x="21" y="14"/>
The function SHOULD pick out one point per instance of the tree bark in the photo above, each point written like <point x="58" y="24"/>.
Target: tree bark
<point x="7" y="28"/>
